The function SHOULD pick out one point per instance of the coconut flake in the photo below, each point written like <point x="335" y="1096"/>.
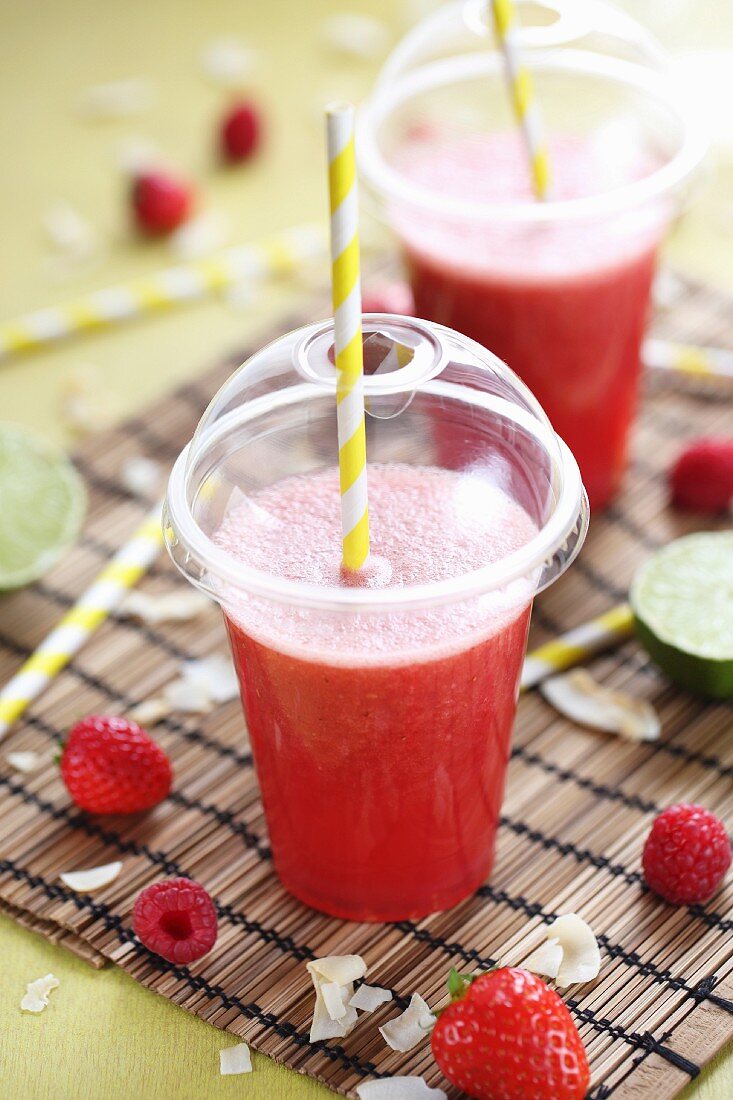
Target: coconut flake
<point x="187" y="697"/>
<point x="136" y="154"/>
<point x="171" y="607"/>
<point x="215" y="675"/>
<point x="356" y="35"/>
<point x="411" y="1027"/>
<point x="235" y="1060"/>
<point x="69" y="232"/>
<point x="340" y="969"/>
<point x="368" y="998"/>
<point x="226" y="62"/>
<point x="581" y="958"/>
<point x="141" y="476"/>
<point x="116" y="98"/>
<point x="150" y="711"/>
<point x="545" y="960"/>
<point x="323" y="1026"/>
<point x="36" y="994"/>
<point x="199" y="236"/>
<point x="22" y="761"/>
<point x="94" y="878"/>
<point x="581" y="699"/>
<point x="398" y="1088"/>
<point x="86" y="405"/>
<point x="333" y="999"/>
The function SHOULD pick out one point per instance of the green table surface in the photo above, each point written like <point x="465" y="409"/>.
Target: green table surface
<point x="103" y="1036"/>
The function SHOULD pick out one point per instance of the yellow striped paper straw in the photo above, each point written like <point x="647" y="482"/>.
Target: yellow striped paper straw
<point x="521" y="91"/>
<point x="276" y="255"/>
<point x="80" y="622"/>
<point x="688" y="359"/>
<point x="577" y="645"/>
<point x="346" y="292"/>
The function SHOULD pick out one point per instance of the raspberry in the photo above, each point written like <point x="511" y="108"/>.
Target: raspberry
<point x="241" y="131"/>
<point x="111" y="766"/>
<point x="686" y="854"/>
<point x="702" y="477"/>
<point x="176" y="919"/>
<point x="160" y="203"/>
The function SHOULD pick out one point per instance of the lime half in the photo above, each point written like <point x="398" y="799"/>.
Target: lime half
<point x="42" y="506"/>
<point x="682" y="600"/>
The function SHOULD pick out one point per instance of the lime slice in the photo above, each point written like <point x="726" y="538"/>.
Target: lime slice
<point x="682" y="600"/>
<point x="42" y="505"/>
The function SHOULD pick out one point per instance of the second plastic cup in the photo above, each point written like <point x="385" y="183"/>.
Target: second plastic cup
<point x="559" y="289"/>
<point x="380" y="709"/>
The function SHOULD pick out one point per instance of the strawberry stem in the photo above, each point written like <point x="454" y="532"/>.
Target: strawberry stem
<point x="458" y="984"/>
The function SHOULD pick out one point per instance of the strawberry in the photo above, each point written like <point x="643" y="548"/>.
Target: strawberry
<point x="160" y="202"/>
<point x="111" y="766"/>
<point x="701" y="479"/>
<point x="508" y="1036"/>
<point x="240" y="132"/>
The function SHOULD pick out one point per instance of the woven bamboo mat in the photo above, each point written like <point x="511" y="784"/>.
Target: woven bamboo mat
<point x="577" y="809"/>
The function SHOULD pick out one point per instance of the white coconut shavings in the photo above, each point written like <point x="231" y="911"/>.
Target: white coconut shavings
<point x="23" y="761"/>
<point x="36" y="994"/>
<point x="333" y="979"/>
<point x="71" y="235"/>
<point x="368" y="998"/>
<point x="570" y="937"/>
<point x="136" y="155"/>
<point x="581" y="699"/>
<point x="215" y="675"/>
<point x="227" y="62"/>
<point x="150" y="711"/>
<point x="233" y="1060"/>
<point x="86" y="404"/>
<point x="337" y="968"/>
<point x="170" y="607"/>
<point x="545" y="960"/>
<point x="94" y="878"/>
<point x="398" y="1088"/>
<point x="141" y="476"/>
<point x="187" y="697"/>
<point x="357" y="36"/>
<point x="116" y="99"/>
<point x="411" y="1027"/>
<point x="200" y="236"/>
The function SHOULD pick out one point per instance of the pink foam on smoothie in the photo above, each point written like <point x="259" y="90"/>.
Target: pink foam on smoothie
<point x="492" y="169"/>
<point x="426" y="525"/>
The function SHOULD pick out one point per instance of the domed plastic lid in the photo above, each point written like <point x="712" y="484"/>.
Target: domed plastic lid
<point x="433" y="399"/>
<point x="597" y="74"/>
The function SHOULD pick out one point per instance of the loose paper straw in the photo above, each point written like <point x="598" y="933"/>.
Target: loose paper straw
<point x="521" y="91"/>
<point x="688" y="359"/>
<point x="173" y="286"/>
<point x="90" y="611"/>
<point x="577" y="645"/>
<point x="346" y="291"/>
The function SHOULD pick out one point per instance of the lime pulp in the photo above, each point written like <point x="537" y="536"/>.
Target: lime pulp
<point x="682" y="600"/>
<point x="42" y="505"/>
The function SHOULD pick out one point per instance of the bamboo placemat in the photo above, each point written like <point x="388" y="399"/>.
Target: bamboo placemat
<point x="577" y="808"/>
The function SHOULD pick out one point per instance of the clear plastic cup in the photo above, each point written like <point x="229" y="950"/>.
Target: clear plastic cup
<point x="379" y="710"/>
<point x="558" y="289"/>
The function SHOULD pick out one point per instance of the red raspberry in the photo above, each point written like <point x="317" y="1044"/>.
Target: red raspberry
<point x="702" y="477"/>
<point x="241" y="131"/>
<point x="508" y="1036"/>
<point x="111" y="766"/>
<point x="160" y="203"/>
<point x="176" y="919"/>
<point x="686" y="854"/>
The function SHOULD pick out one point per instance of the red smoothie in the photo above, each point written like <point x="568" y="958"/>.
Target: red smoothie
<point x="563" y="303"/>
<point x="381" y="740"/>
